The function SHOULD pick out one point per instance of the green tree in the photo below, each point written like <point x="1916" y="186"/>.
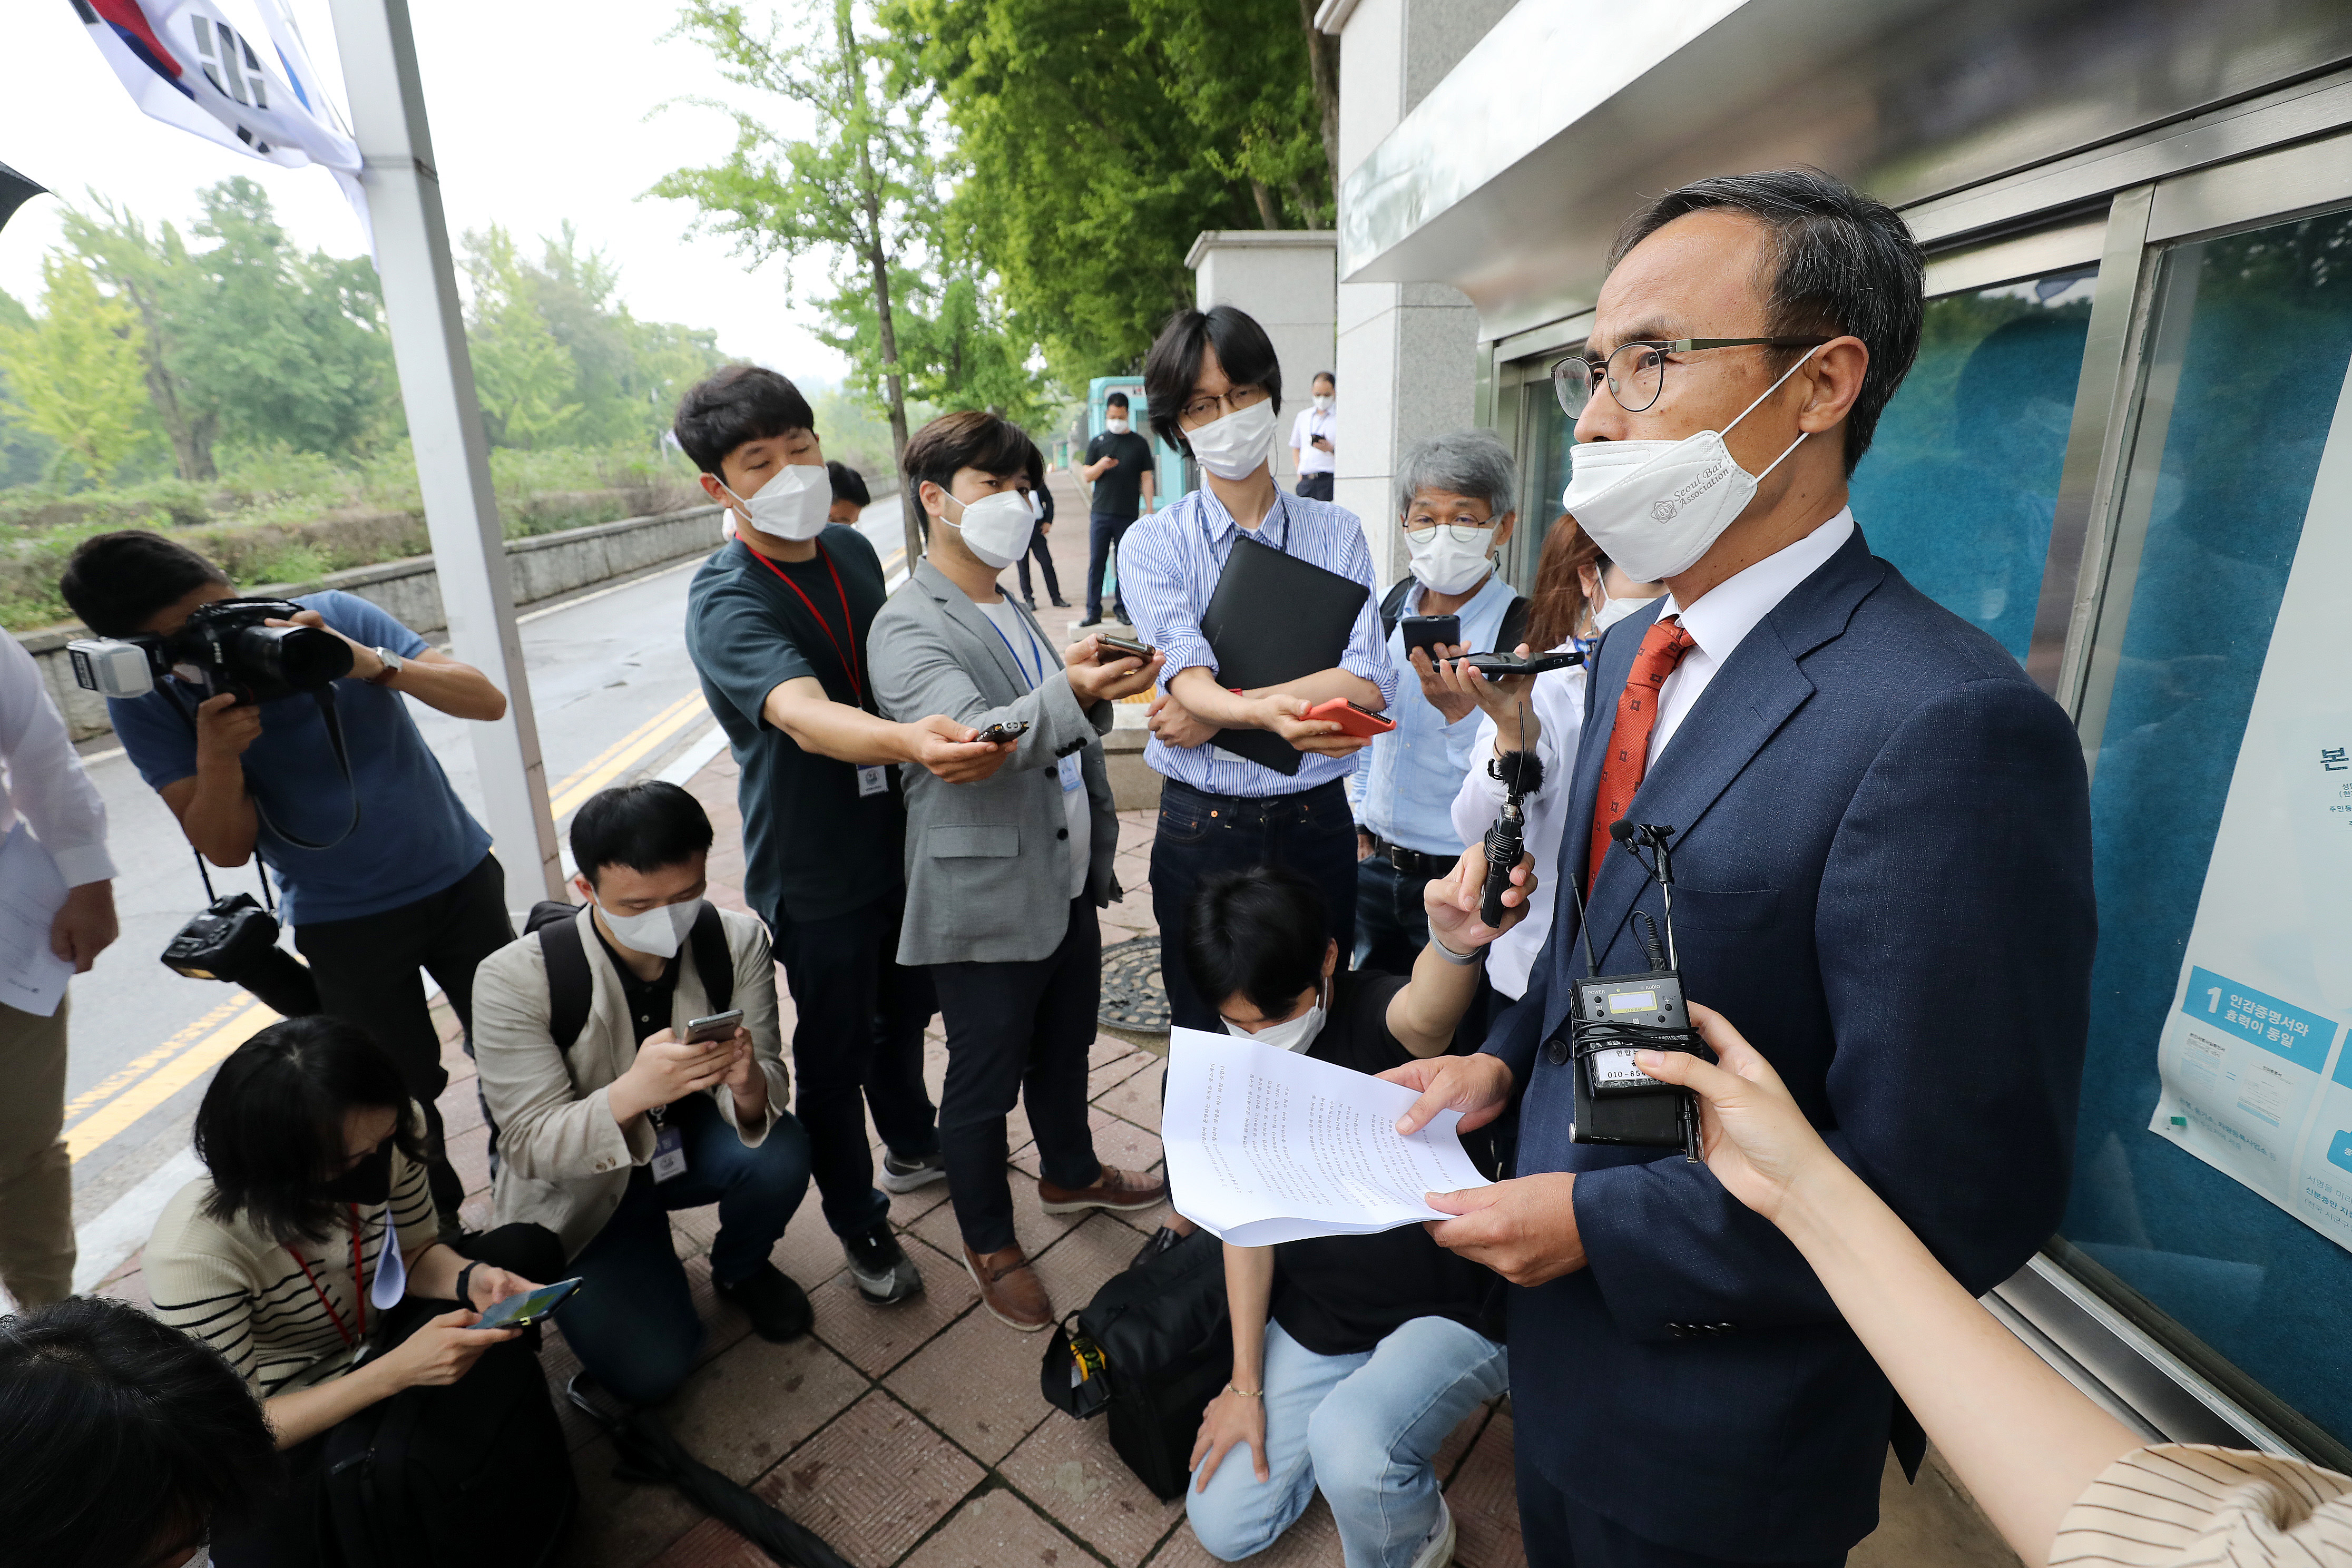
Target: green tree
<point x="24" y="453"/>
<point x="862" y="188"/>
<point x="76" y="371"/>
<point x="522" y="372"/>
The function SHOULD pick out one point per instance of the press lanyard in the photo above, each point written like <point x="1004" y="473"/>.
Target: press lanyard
<point x="1017" y="662"/>
<point x="848" y="660"/>
<point x="359" y="1281"/>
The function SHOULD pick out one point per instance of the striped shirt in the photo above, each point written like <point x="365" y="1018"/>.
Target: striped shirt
<point x="2175" y="1506"/>
<point x="242" y="1292"/>
<point x="1169" y="564"/>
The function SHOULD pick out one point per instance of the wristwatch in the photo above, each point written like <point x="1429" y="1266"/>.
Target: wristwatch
<point x="393" y="665"/>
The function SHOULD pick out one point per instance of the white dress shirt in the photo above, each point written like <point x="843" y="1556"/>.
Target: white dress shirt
<point x="1558" y="700"/>
<point x="41" y="778"/>
<point x="1726" y="613"/>
<point x="1313" y="422"/>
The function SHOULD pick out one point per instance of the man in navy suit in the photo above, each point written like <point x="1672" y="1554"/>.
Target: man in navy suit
<point x="1883" y="875"/>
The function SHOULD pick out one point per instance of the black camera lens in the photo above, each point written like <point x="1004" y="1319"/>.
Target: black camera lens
<point x="288" y="659"/>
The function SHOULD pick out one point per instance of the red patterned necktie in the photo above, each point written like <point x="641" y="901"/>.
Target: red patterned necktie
<point x="1628" y="757"/>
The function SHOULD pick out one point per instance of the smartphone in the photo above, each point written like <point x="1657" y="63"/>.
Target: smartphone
<point x="521" y="1311"/>
<point x="1353" y="718"/>
<point x="1507" y="666"/>
<point x="1427" y="631"/>
<point x="717" y="1026"/>
<point x="998" y="733"/>
<point x="1115" y="648"/>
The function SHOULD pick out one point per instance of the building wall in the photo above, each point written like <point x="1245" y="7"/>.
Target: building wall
<point x="1284" y="278"/>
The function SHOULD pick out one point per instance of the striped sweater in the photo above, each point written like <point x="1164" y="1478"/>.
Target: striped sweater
<point x="2176" y="1505"/>
<point x="243" y="1294"/>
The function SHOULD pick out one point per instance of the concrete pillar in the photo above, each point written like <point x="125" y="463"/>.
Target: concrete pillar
<point x="1407" y="352"/>
<point x="1284" y="278"/>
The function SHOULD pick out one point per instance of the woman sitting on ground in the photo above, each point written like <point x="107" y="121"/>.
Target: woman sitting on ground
<point x="309" y="1257"/>
<point x="1379" y="1345"/>
<point x="2064" y="1481"/>
<point x="123" y="1443"/>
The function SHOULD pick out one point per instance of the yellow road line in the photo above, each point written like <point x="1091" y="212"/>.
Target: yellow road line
<point x="618" y="758"/>
<point x="123" y="1076"/>
<point x="167" y="1080"/>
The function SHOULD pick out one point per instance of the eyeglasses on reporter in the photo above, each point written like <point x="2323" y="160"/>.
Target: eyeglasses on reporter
<point x="1212" y="406"/>
<point x="1636" y="372"/>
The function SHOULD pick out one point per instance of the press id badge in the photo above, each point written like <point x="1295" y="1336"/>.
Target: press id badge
<point x="1071" y="778"/>
<point x="873" y="779"/>
<point x="669" y="1154"/>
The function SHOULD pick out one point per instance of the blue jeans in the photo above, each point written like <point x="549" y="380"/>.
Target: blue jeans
<point x="1103" y="531"/>
<point x="1364" y="1430"/>
<point x="1392" y="922"/>
<point x="633" y="1324"/>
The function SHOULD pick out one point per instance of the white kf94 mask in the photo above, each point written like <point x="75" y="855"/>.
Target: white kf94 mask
<point x="792" y="505"/>
<point x="995" y="527"/>
<point x="1655" y="507"/>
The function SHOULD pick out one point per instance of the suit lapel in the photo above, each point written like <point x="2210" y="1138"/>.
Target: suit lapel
<point x="967" y="615"/>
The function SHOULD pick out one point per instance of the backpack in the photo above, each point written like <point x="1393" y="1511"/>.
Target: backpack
<point x="1153" y="1348"/>
<point x="569" y="986"/>
<point x="1513" y="632"/>
<point x="475" y="1475"/>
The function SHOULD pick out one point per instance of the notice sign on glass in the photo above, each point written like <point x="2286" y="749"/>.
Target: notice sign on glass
<point x="2255" y="1063"/>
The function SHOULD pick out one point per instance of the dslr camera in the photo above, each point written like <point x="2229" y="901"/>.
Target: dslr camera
<point x="223" y="646"/>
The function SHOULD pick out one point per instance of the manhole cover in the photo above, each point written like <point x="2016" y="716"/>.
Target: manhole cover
<point x="1134" y="998"/>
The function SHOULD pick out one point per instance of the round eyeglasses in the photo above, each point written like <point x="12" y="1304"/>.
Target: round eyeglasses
<point x="1636" y="372"/>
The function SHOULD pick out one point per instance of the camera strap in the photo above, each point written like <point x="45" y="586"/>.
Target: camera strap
<point x="325" y="697"/>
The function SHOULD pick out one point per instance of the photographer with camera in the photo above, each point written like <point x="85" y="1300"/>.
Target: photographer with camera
<point x="278" y="729"/>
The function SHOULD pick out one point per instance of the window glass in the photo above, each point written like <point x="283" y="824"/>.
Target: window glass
<point x="2204" y="1195"/>
<point x="1962" y="479"/>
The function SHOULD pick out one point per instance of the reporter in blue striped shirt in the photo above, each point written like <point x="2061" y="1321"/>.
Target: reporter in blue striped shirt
<point x="1215" y="390"/>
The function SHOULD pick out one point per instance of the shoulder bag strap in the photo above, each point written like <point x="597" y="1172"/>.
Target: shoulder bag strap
<point x="569" y="984"/>
<point x="713" y="959"/>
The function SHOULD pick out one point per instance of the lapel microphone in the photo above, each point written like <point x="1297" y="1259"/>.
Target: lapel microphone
<point x="1613" y="1016"/>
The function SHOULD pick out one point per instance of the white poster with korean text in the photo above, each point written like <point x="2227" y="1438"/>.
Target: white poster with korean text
<point x="2257" y="1076"/>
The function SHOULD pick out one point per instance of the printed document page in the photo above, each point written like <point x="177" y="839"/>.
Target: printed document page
<point x="1265" y="1145"/>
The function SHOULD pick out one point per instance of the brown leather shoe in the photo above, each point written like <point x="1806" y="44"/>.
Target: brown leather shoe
<point x="1010" y="1289"/>
<point x="1124" y="1191"/>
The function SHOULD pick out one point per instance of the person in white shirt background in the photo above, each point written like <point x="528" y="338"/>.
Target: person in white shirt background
<point x="1579" y="595"/>
<point x="1311" y="437"/>
<point x="45" y="792"/>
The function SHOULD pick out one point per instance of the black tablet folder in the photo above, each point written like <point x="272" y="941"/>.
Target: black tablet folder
<point x="1273" y="619"/>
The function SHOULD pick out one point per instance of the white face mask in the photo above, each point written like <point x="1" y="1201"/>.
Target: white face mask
<point x="1655" y="507"/>
<point x="658" y="931"/>
<point x="996" y="528"/>
<point x="1234" y="446"/>
<point x="792" y="505"/>
<point x="1446" y="565"/>
<point x="1116" y="426"/>
<point x="1611" y="611"/>
<point x="1322" y="403"/>
<point x="1292" y="1035"/>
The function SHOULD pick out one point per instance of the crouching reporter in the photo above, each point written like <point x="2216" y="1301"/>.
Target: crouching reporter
<point x="1353" y="1355"/>
<point x="307" y="1256"/>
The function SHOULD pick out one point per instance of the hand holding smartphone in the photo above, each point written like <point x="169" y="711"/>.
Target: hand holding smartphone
<point x="520" y="1312"/>
<point x="717" y="1026"/>
<point x="1111" y="649"/>
<point x="1426" y="632"/>
<point x="996" y="734"/>
<point x="1353" y="718"/>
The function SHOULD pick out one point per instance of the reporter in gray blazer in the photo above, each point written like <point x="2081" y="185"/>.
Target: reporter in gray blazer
<point x="1004" y="875"/>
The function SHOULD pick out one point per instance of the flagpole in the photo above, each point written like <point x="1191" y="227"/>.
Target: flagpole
<point x="382" y="84"/>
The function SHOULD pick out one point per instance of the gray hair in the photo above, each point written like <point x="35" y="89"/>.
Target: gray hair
<point x="1468" y="463"/>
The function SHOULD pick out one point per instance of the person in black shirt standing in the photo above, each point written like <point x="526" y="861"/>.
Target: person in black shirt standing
<point x="776" y="624"/>
<point x="1119" y="466"/>
<point x="1379" y="1345"/>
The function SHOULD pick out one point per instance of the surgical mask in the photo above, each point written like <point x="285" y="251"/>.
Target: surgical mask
<point x="1234" y="446"/>
<point x="1655" y="507"/>
<point x="1446" y="564"/>
<point x="1291" y="1034"/>
<point x="1322" y="403"/>
<point x="1116" y="426"/>
<point x="792" y="505"/>
<point x="995" y="527"/>
<point x="1611" y="611"/>
<point x="369" y="1182"/>
<point x="658" y="932"/>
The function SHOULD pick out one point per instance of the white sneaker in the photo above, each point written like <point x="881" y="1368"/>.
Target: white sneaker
<point x="1437" y="1546"/>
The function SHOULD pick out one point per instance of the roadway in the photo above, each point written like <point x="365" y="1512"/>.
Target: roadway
<point x="615" y="697"/>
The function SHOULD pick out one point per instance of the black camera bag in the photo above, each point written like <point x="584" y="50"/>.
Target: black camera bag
<point x="1152" y="1349"/>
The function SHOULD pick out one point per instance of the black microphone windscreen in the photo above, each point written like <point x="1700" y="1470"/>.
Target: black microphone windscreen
<point x="1622" y="830"/>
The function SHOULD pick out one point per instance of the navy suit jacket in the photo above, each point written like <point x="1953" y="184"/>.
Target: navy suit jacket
<point x="1882" y="879"/>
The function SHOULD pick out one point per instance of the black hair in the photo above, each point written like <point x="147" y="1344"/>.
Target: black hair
<point x="972" y="439"/>
<point x="1326" y="376"/>
<point x="1843" y="263"/>
<point x="644" y="826"/>
<point x="116" y="582"/>
<point x="1118" y="397"/>
<point x="120" y="1438"/>
<point x="1261" y="932"/>
<point x="1173" y="365"/>
<point x="270" y="1128"/>
<point x="735" y="404"/>
<point x="848" y="484"/>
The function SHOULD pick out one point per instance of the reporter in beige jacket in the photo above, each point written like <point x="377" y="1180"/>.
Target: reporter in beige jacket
<point x="599" y="1141"/>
